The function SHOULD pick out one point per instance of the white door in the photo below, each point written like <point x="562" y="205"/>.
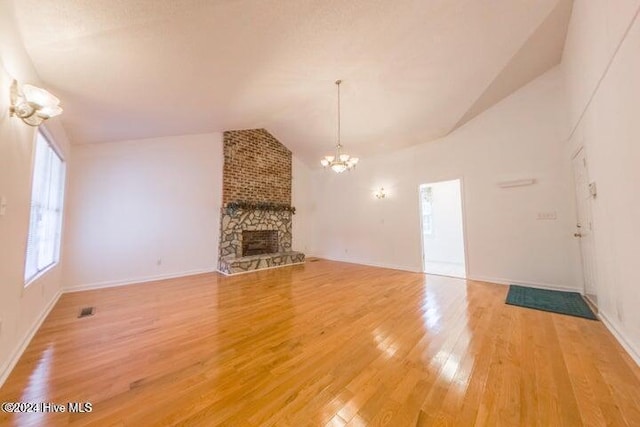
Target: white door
<point x="584" y="226"/>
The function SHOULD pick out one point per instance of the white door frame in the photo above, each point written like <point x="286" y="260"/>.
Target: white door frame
<point x="581" y="149"/>
<point x="464" y="222"/>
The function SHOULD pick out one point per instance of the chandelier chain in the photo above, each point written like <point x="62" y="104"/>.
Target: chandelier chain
<point x="338" y="84"/>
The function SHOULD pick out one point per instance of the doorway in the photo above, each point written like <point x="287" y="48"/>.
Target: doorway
<point x="585" y="191"/>
<point x="443" y="248"/>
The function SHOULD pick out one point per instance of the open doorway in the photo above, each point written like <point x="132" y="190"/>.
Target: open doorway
<point x="443" y="248"/>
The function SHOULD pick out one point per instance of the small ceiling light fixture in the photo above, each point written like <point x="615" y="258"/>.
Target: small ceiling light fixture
<point x="32" y="104"/>
<point x="341" y="161"/>
<point x="380" y="194"/>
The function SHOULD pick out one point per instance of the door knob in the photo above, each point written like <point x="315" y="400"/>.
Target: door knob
<point x="577" y="234"/>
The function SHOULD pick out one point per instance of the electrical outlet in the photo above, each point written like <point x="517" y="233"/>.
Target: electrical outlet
<point x="3" y="206"/>
<point x="547" y="215"/>
<point x="159" y="262"/>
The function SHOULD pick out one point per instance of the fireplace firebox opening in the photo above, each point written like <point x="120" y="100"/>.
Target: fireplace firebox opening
<point x="258" y="242"/>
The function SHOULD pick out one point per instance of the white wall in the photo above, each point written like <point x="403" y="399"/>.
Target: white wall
<point x="521" y="137"/>
<point x="21" y="309"/>
<point x="595" y="32"/>
<point x="606" y="103"/>
<point x="133" y="203"/>
<point x="446" y="243"/>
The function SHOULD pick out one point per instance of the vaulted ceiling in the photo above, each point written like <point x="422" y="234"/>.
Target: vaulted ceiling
<point x="413" y="70"/>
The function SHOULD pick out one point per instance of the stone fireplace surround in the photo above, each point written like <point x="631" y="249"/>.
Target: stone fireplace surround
<point x="234" y="222"/>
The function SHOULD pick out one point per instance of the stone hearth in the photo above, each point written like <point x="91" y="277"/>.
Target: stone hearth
<point x="232" y="265"/>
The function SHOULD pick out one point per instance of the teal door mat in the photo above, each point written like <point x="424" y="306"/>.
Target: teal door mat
<point x="570" y="303"/>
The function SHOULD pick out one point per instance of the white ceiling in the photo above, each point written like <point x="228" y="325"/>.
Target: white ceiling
<point x="412" y="70"/>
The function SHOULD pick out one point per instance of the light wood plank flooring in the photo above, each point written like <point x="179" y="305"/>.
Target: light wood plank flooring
<point x="322" y="343"/>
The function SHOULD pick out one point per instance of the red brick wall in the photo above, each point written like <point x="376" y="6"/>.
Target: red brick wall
<point x="257" y="168"/>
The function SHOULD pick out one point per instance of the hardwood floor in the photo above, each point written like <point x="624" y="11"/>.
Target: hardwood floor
<point x="322" y="343"/>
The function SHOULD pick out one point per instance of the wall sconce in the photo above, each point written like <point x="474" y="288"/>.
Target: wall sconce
<point x="380" y="194"/>
<point x="32" y="104"/>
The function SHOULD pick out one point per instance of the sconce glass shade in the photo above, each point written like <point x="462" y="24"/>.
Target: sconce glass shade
<point x="39" y="97"/>
<point x="32" y="104"/>
<point x="324" y="162"/>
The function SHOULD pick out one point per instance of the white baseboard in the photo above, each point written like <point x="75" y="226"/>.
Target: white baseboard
<point x="499" y="281"/>
<point x="625" y="343"/>
<point x="372" y="264"/>
<point x="532" y="284"/>
<point x="115" y="283"/>
<point x="17" y="353"/>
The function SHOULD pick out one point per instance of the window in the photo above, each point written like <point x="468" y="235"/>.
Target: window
<point x="426" y="194"/>
<point x="43" y="243"/>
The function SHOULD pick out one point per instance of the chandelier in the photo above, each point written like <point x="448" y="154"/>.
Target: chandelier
<point x="341" y="161"/>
